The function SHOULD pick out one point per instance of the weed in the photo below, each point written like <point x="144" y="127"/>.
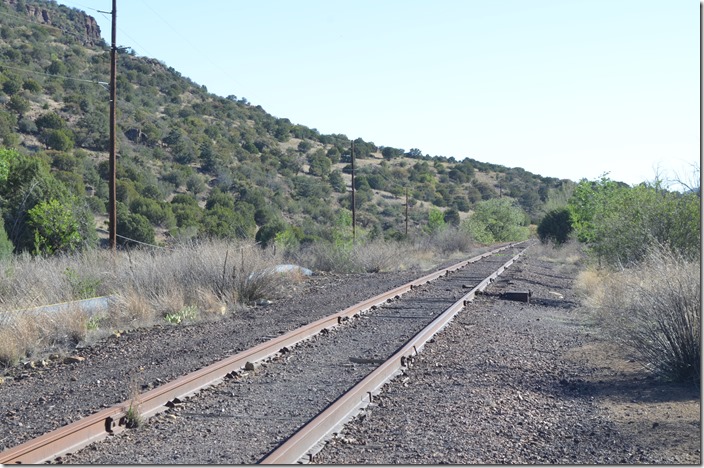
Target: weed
<point x="188" y="313"/>
<point x="82" y="287"/>
<point x="133" y="418"/>
<point x="93" y="323"/>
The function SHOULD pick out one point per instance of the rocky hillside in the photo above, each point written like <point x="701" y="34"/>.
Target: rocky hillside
<point x="191" y="163"/>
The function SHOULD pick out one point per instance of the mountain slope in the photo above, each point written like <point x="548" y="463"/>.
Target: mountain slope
<point x="191" y="163"/>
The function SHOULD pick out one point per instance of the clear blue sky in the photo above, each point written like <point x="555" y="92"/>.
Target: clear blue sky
<point x="562" y="88"/>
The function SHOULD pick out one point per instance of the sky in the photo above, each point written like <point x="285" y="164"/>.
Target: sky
<point x="562" y="88"/>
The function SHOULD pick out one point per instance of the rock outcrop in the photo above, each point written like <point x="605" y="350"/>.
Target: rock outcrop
<point x="45" y="14"/>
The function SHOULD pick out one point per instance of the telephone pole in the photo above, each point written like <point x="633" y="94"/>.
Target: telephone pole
<point x="112" y="203"/>
<point x="354" y="208"/>
<point x="406" y="212"/>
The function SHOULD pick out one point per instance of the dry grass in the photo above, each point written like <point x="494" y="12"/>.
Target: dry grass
<point x="194" y="281"/>
<point x="26" y="335"/>
<point x="567" y="255"/>
<point x="654" y="309"/>
<point x="200" y="280"/>
<point x="363" y="257"/>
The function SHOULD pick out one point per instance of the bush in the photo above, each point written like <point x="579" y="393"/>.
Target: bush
<point x="654" y="309"/>
<point x="620" y="223"/>
<point x="133" y="227"/>
<point x="269" y="232"/>
<point x="555" y="227"/>
<point x="497" y="220"/>
<point x="55" y="227"/>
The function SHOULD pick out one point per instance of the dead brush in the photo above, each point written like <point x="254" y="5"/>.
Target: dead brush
<point x="654" y="309"/>
<point x="24" y="334"/>
<point x="377" y="256"/>
<point x="252" y="276"/>
<point x="451" y="240"/>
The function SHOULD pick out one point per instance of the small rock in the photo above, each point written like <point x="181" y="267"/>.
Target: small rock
<point x="73" y="359"/>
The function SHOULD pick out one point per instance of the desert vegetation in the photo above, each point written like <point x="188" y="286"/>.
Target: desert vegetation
<point x="188" y="282"/>
<point x="194" y="165"/>
<point x="643" y="284"/>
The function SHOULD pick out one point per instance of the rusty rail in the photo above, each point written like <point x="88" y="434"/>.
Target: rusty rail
<point x="300" y="447"/>
<point x="113" y="420"/>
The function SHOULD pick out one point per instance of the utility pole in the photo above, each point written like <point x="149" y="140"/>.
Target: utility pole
<point x="112" y="203"/>
<point x="354" y="208"/>
<point x="406" y="212"/>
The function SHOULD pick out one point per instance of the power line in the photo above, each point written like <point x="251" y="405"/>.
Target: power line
<point x="102" y="83"/>
<point x="181" y="35"/>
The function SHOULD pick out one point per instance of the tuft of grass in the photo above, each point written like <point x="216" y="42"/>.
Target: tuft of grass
<point x="133" y="418"/>
<point x="654" y="309"/>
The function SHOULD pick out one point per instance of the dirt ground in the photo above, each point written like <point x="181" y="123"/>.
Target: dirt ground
<point x="662" y="415"/>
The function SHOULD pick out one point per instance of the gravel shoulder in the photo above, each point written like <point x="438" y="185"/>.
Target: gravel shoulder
<point x="509" y="382"/>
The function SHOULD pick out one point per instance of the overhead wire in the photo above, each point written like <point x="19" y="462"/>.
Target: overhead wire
<point x="239" y="230"/>
<point x="102" y="83"/>
<point x="199" y="51"/>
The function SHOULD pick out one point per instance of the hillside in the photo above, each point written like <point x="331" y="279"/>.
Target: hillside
<point x="191" y="163"/>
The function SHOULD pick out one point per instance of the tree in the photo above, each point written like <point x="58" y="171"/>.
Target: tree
<point x="452" y="216"/>
<point x="269" y="232"/>
<point x="337" y="182"/>
<point x="619" y="223"/>
<point x="59" y="140"/>
<point x="320" y="164"/>
<point x="29" y="183"/>
<point x="222" y="222"/>
<point x="415" y="153"/>
<point x="6" y="156"/>
<point x="391" y="153"/>
<point x="6" y="246"/>
<point x="50" y="120"/>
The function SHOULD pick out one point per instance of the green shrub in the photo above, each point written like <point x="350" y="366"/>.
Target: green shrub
<point x="133" y="227"/>
<point x="6" y="246"/>
<point x="556" y="226"/>
<point x="620" y="223"/>
<point x="269" y="232"/>
<point x="55" y="228"/>
<point x="497" y="220"/>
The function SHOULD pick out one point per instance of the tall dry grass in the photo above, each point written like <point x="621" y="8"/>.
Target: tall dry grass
<point x="197" y="280"/>
<point x="193" y="281"/>
<point x="654" y="309"/>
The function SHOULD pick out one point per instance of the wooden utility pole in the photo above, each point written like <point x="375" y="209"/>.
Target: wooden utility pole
<point x="354" y="208"/>
<point x="406" y="211"/>
<point x="112" y="202"/>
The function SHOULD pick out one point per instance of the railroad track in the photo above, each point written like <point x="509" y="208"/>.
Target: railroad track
<point x="282" y="449"/>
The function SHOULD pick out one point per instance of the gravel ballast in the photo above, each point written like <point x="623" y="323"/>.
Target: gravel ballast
<point x="240" y="421"/>
<point x="498" y="385"/>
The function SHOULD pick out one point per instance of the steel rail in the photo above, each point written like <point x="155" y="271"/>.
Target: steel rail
<point x="299" y="448"/>
<point x="113" y="420"/>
